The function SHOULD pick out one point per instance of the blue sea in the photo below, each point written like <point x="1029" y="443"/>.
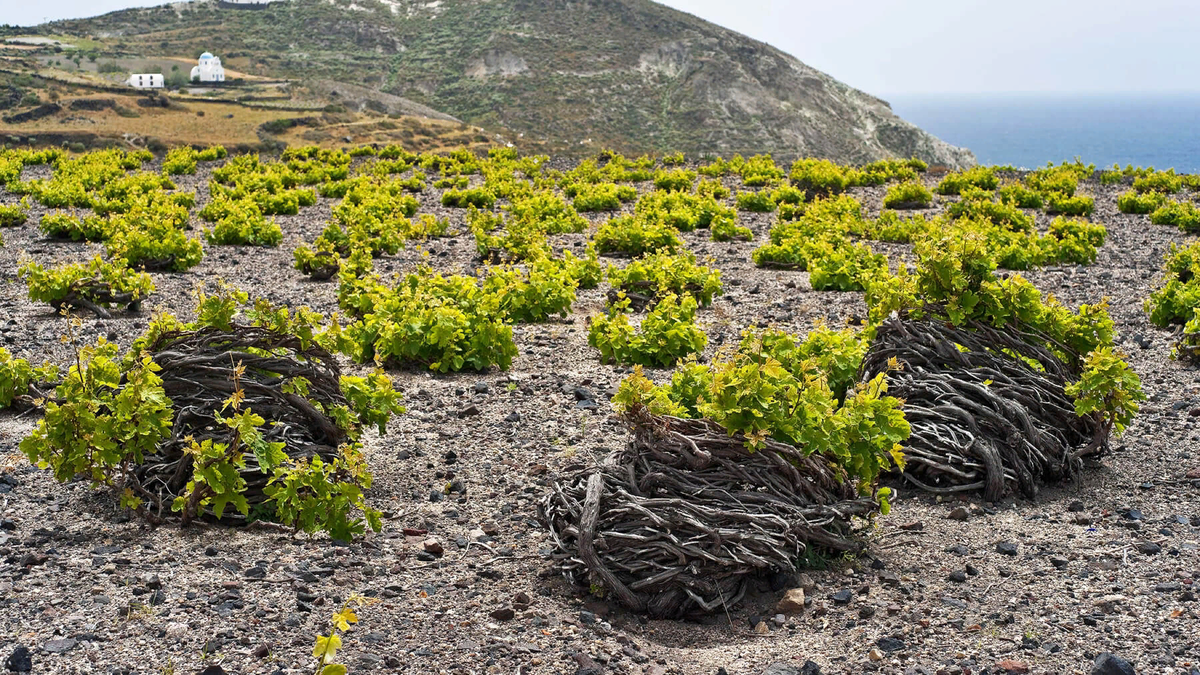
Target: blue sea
<point x="1027" y="130"/>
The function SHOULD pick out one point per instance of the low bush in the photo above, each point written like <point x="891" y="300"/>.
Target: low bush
<point x="634" y="236"/>
<point x="661" y="273"/>
<point x="910" y="195"/>
<point x="756" y="202"/>
<point x="94" y="285"/>
<point x="667" y="334"/>
<point x="1132" y="201"/>
<point x="981" y="177"/>
<point x="12" y="216"/>
<point x="1183" y="215"/>
<point x="1077" y="205"/>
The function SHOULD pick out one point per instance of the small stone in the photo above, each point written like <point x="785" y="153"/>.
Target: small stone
<point x="60" y="646"/>
<point x="176" y="629"/>
<point x="1006" y="548"/>
<point x="842" y="597"/>
<point x="261" y="651"/>
<point x="433" y="546"/>
<point x="481" y="387"/>
<point x="1111" y="664"/>
<point x="1133" y="514"/>
<point x="890" y="644"/>
<point x="1149" y="548"/>
<point x="792" y="602"/>
<point x="1059" y="563"/>
<point x="959" y="513"/>
<point x="866" y="611"/>
<point x="1076" y="506"/>
<point x="957" y="576"/>
<point x="806" y="582"/>
<point x="762" y="628"/>
<point x="469" y="411"/>
<point x="1011" y="666"/>
<point x="435" y="496"/>
<point x="915" y="526"/>
<point x="972" y="570"/>
<point x="20" y="660"/>
<point x="875" y="654"/>
<point x="502" y="613"/>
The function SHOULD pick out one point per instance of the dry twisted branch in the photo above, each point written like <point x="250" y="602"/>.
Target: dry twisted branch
<point x="680" y="520"/>
<point x="986" y="405"/>
<point x="198" y="376"/>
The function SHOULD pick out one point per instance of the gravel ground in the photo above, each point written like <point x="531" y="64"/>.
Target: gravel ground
<point x="1042" y="586"/>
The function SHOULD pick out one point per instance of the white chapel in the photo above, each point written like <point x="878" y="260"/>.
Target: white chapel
<point x="209" y="69"/>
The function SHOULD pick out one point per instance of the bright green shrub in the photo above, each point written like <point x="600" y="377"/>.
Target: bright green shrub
<point x="761" y="171"/>
<point x="756" y="202"/>
<point x="1183" y="215"/>
<point x="634" y="235"/>
<point x="445" y="323"/>
<point x="981" y="177"/>
<point x="845" y="267"/>
<point x="819" y="177"/>
<point x="16" y="377"/>
<point x="12" y="216"/>
<point x="602" y="196"/>
<point x="678" y="180"/>
<point x="242" y="223"/>
<point x="1078" y="205"/>
<point x="156" y="245"/>
<point x="179" y="161"/>
<point x="910" y="195"/>
<point x="544" y="289"/>
<point x="681" y="210"/>
<point x="481" y="198"/>
<point x="667" y="334"/>
<point x="1132" y="201"/>
<point x="547" y="212"/>
<point x="1161" y="182"/>
<point x="1176" y="301"/>
<point x="1020" y="196"/>
<point x="663" y="273"/>
<point x="727" y="229"/>
<point x="94" y="283"/>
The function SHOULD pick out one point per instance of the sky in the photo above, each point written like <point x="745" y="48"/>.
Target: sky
<point x="898" y="47"/>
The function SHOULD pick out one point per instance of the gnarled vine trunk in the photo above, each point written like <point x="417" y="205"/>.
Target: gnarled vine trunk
<point x="680" y="520"/>
<point x="986" y="405"/>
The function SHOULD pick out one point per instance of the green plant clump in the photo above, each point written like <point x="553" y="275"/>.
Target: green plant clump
<point x="667" y="334"/>
<point x="910" y="195"/>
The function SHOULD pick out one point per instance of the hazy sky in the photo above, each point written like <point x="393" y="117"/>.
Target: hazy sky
<point x="890" y="47"/>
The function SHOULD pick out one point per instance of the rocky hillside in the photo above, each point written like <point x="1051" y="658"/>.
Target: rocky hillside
<point x="565" y="74"/>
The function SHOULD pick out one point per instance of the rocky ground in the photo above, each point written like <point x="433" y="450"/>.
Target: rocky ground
<point x="463" y="581"/>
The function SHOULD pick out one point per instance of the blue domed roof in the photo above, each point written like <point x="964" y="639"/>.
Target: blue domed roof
<point x="206" y="55"/>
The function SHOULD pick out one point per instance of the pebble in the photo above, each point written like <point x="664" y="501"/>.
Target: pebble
<point x="875" y="654"/>
<point x="20" y="660"/>
<point x="1111" y="664"/>
<point x="842" y="597"/>
<point x="1149" y="547"/>
<point x="1006" y="548"/>
<point x="762" y="628"/>
<point x="502" y="613"/>
<point x="60" y="646"/>
<point x="959" y="513"/>
<point x="792" y="602"/>
<point x="957" y="576"/>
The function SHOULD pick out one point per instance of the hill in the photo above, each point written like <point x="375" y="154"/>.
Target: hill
<point x="567" y="77"/>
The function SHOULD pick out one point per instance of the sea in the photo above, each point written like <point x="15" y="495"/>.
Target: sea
<point x="1029" y="130"/>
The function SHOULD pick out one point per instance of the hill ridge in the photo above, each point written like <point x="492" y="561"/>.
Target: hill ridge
<point x="568" y="76"/>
